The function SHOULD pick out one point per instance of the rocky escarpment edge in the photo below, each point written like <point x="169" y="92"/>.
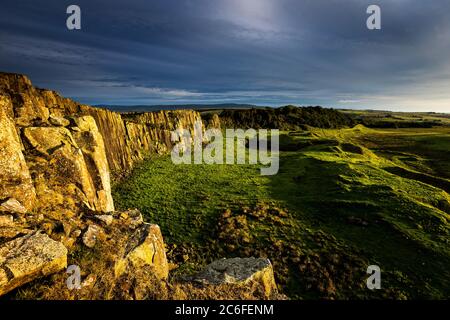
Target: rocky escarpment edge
<point x="56" y="208"/>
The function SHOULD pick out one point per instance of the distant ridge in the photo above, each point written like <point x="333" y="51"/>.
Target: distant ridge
<point x="145" y="108"/>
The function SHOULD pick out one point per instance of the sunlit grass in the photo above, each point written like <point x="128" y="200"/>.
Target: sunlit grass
<point x="326" y="179"/>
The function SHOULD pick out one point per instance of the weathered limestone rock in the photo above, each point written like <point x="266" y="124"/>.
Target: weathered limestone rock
<point x="58" y="121"/>
<point x="57" y="105"/>
<point x="91" y="143"/>
<point x="14" y="82"/>
<point x="133" y="217"/>
<point x="240" y="271"/>
<point x="27" y="258"/>
<point x="14" y="174"/>
<point x="13" y="206"/>
<point x="129" y="138"/>
<point x="105" y="218"/>
<point x="112" y="128"/>
<point x="29" y="107"/>
<point x="47" y="140"/>
<point x="66" y="170"/>
<point x="74" y="164"/>
<point x="89" y="281"/>
<point x="6" y="220"/>
<point x="91" y="235"/>
<point x="6" y="106"/>
<point x="8" y="232"/>
<point x="145" y="248"/>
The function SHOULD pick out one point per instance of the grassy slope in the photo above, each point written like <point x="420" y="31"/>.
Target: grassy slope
<point x="355" y="199"/>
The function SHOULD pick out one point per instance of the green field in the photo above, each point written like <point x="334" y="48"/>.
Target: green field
<point x="343" y="199"/>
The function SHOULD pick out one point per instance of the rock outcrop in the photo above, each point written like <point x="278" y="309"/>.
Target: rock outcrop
<point x="56" y="158"/>
<point x="130" y="258"/>
<point x="128" y="138"/>
<point x="56" y="153"/>
<point x="144" y="248"/>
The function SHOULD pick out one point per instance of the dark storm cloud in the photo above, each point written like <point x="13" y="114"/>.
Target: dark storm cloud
<point x="269" y="52"/>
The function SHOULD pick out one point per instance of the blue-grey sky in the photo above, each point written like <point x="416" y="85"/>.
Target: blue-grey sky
<point x="267" y="52"/>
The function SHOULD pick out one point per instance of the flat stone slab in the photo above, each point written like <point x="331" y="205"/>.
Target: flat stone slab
<point x="255" y="273"/>
<point x="29" y="257"/>
<point x="233" y="270"/>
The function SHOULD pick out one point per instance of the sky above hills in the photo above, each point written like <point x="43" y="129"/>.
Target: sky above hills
<point x="266" y="52"/>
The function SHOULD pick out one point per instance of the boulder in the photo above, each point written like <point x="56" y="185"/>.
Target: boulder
<point x="145" y="248"/>
<point x="254" y="272"/>
<point x="29" y="257"/>
<point x="91" y="235"/>
<point x="13" y="206"/>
